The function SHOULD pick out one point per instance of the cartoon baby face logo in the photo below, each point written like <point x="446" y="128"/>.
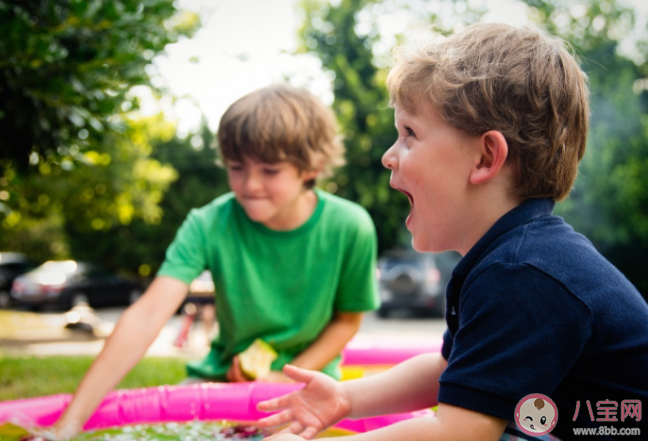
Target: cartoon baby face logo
<point x="536" y="415"/>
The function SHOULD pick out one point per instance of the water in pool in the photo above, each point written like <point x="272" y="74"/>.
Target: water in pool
<point x="191" y="431"/>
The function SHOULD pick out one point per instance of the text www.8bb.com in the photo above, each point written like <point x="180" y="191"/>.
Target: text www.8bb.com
<point x="605" y="430"/>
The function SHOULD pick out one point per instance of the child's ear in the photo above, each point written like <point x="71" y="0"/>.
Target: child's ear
<point x="493" y="151"/>
<point x="309" y="175"/>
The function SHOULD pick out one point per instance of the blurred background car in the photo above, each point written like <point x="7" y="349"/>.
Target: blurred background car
<point x="414" y="282"/>
<point x="70" y="283"/>
<point x="11" y="266"/>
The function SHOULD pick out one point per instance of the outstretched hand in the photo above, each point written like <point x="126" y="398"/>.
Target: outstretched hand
<point x="308" y="411"/>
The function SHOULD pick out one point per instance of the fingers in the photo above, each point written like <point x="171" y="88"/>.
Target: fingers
<point x="295" y="428"/>
<point x="276" y="420"/>
<point x="309" y="433"/>
<point x="234" y="374"/>
<point x="275" y="404"/>
<point x="298" y="374"/>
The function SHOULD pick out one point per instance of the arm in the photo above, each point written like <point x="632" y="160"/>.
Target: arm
<point x="411" y="385"/>
<point x="330" y="342"/>
<point x="133" y="334"/>
<point x="321" y="352"/>
<point x="408" y="386"/>
<point x="450" y="423"/>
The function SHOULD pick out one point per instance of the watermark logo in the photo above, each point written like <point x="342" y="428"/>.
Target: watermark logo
<point x="536" y="415"/>
<point x="606" y="410"/>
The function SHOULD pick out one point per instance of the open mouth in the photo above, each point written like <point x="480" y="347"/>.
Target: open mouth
<point x="409" y="196"/>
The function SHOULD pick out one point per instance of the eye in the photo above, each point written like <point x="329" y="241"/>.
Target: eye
<point x="410" y="132"/>
<point x="271" y="171"/>
<point x="528" y="418"/>
<point x="543" y="420"/>
<point x="234" y="167"/>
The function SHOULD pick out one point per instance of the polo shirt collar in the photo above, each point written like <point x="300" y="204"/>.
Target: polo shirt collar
<point x="520" y="215"/>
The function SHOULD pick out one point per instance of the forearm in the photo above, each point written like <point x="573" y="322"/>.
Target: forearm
<point x="330" y="342"/>
<point x="408" y="386"/>
<point x="422" y="429"/>
<point x="456" y="425"/>
<point x="133" y="334"/>
<point x="125" y="347"/>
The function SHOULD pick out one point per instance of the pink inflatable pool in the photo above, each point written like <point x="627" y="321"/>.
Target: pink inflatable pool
<point x="210" y="401"/>
<point x="368" y="351"/>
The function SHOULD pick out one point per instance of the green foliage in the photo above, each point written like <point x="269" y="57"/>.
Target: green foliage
<point x="608" y="203"/>
<point x="74" y="155"/>
<point x="362" y="107"/>
<point x="139" y="247"/>
<point x="27" y="377"/>
<point x="66" y="68"/>
<point x="103" y="191"/>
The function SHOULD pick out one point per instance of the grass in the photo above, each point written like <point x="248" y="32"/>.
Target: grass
<point x="31" y="376"/>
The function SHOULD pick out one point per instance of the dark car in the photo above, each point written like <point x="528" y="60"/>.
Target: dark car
<point x="11" y="266"/>
<point x="70" y="283"/>
<point x="413" y="281"/>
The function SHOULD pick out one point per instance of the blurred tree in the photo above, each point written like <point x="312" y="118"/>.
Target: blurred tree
<point x="610" y="199"/>
<point x="139" y="247"/>
<point x="362" y="107"/>
<point x="103" y="191"/>
<point x="67" y="69"/>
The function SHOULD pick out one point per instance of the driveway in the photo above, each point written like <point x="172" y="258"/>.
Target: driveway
<point x="65" y="342"/>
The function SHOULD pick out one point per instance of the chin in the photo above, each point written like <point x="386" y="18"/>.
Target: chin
<point x="418" y="246"/>
<point x="257" y="217"/>
<point x="428" y="247"/>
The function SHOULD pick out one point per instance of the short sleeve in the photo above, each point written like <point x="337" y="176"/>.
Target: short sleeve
<point x="446" y="348"/>
<point x="520" y="332"/>
<point x="358" y="287"/>
<point x="186" y="257"/>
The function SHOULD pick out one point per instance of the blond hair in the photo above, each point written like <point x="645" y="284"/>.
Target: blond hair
<point x="514" y="80"/>
<point x="281" y="123"/>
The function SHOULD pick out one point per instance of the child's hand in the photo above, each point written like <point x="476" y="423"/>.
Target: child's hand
<point x="62" y="430"/>
<point x="322" y="403"/>
<point x="235" y="374"/>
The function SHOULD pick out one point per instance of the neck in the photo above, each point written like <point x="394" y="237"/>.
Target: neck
<point x="487" y="212"/>
<point x="298" y="214"/>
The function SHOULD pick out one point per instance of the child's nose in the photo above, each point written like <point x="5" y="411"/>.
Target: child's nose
<point x="390" y="159"/>
<point x="253" y="182"/>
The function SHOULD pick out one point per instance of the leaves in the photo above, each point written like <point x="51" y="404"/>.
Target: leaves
<point x="72" y="155"/>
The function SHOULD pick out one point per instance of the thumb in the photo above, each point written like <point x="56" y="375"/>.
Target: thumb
<point x="298" y="374"/>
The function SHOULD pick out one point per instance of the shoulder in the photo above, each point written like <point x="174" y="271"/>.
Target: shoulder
<point x="548" y="252"/>
<point x="218" y="213"/>
<point x="219" y="207"/>
<point x="345" y="213"/>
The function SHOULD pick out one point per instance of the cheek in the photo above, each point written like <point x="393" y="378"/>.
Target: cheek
<point x="234" y="182"/>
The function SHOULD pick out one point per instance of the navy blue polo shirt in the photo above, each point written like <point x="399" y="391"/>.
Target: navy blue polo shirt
<point x="534" y="308"/>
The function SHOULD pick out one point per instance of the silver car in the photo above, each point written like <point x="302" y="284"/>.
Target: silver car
<point x="413" y="281"/>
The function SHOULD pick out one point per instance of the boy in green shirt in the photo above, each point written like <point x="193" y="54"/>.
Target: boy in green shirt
<point x="292" y="265"/>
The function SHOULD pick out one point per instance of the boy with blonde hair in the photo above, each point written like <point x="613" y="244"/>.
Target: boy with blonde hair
<point x="292" y="265"/>
<point x="492" y="124"/>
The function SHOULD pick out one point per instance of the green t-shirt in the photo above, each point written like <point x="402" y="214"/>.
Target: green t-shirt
<point x="280" y="286"/>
